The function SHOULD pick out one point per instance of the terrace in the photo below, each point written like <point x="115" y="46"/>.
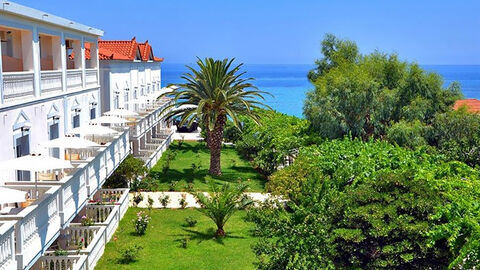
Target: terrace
<point x="80" y="240"/>
<point x="55" y="203"/>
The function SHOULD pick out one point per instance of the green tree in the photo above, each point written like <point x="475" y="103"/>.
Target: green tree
<point x="370" y="205"/>
<point x="212" y="94"/>
<point x="335" y="51"/>
<point x="457" y="135"/>
<point x="363" y="95"/>
<point x="222" y="202"/>
<point x="127" y="174"/>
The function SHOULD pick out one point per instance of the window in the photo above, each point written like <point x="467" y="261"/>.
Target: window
<point x="22" y="148"/>
<point x="76" y="121"/>
<point x="125" y="100"/>
<point x="53" y="134"/>
<point x="93" y="113"/>
<point x="116" y="103"/>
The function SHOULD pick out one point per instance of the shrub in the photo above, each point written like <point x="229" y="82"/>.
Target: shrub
<point x="190" y="221"/>
<point x="169" y="156"/>
<point x="164" y="200"/>
<point x="137" y="198"/>
<point x="87" y="221"/>
<point x="150" y="203"/>
<point x="184" y="243"/>
<point x="128" y="174"/>
<point x="356" y="205"/>
<point x="189" y="187"/>
<point x="172" y="186"/>
<point x="183" y="201"/>
<point x="61" y="252"/>
<point x="130" y="254"/>
<point x="141" y="223"/>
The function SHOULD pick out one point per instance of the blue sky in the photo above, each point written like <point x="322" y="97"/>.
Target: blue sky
<point x="281" y="31"/>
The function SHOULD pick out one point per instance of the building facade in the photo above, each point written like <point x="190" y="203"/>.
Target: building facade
<point x="57" y="76"/>
<point x="130" y="78"/>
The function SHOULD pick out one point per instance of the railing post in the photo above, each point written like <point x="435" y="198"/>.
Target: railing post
<point x="82" y="55"/>
<point x="63" y="57"/>
<point x="36" y="60"/>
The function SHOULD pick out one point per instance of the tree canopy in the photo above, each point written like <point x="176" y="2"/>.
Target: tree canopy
<point x="363" y="95"/>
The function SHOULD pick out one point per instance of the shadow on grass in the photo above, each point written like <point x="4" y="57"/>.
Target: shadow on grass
<point x="209" y="234"/>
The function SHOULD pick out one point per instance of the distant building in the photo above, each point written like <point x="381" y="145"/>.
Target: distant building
<point x="472" y="105"/>
<point x="55" y="75"/>
<point x="129" y="71"/>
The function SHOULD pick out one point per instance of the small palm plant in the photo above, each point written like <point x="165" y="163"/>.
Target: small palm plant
<point x="212" y="94"/>
<point x="222" y="202"/>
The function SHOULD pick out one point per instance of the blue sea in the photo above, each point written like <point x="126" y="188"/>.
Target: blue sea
<point x="288" y="83"/>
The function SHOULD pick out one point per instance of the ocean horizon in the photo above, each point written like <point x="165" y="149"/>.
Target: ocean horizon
<point x="288" y="83"/>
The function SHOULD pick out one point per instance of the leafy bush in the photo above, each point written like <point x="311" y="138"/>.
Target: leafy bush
<point x="407" y="134"/>
<point x="130" y="254"/>
<point x="61" y="252"/>
<point x="128" y="174"/>
<point x="457" y="135"/>
<point x="169" y="156"/>
<point x="141" y="223"/>
<point x="183" y="201"/>
<point x="164" y="200"/>
<point x="271" y="143"/>
<point x="87" y="221"/>
<point x="363" y="95"/>
<point x="184" y="243"/>
<point x="137" y="198"/>
<point x="190" y="221"/>
<point x="172" y="186"/>
<point x="149" y="203"/>
<point x="357" y="205"/>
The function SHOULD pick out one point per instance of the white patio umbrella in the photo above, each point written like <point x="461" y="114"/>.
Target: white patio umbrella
<point x="35" y="163"/>
<point x="121" y="112"/>
<point x="9" y="195"/>
<point x="106" y="119"/>
<point x="93" y="129"/>
<point x="70" y="142"/>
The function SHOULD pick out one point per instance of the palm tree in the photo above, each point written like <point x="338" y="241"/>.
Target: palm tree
<point x="222" y="202"/>
<point x="212" y="94"/>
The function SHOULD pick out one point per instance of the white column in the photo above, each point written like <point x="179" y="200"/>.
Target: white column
<point x="82" y="55"/>
<point x="63" y="59"/>
<point x="36" y="60"/>
<point x="1" y="81"/>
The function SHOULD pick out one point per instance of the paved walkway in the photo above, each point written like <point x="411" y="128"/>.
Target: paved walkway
<point x="191" y="202"/>
<point x="193" y="136"/>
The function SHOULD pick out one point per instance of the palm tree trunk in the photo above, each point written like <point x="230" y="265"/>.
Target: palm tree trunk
<point x="214" y="143"/>
<point x="220" y="232"/>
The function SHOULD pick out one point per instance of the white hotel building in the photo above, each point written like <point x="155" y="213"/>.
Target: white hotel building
<point x="55" y="76"/>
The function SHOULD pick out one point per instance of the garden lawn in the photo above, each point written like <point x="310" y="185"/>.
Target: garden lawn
<point x="191" y="164"/>
<point x="162" y="243"/>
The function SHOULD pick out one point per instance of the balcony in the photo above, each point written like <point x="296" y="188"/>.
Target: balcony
<point x="51" y="81"/>
<point x="91" y="77"/>
<point x="74" y="79"/>
<point x="7" y="245"/>
<point x="56" y="202"/>
<point x="18" y="85"/>
<point x="68" y="262"/>
<point x="88" y="241"/>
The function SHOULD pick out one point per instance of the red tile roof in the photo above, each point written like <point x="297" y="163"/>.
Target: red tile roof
<point x="472" y="104"/>
<point x="122" y="50"/>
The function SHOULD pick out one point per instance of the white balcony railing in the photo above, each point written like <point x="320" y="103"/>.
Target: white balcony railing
<point x="59" y="202"/>
<point x="7" y="245"/>
<point x="74" y="79"/>
<point x="91" y="77"/>
<point x="68" y="262"/>
<point x="51" y="81"/>
<point x="18" y="84"/>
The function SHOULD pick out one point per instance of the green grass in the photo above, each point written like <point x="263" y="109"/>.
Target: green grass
<point x="162" y="247"/>
<point x="190" y="154"/>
